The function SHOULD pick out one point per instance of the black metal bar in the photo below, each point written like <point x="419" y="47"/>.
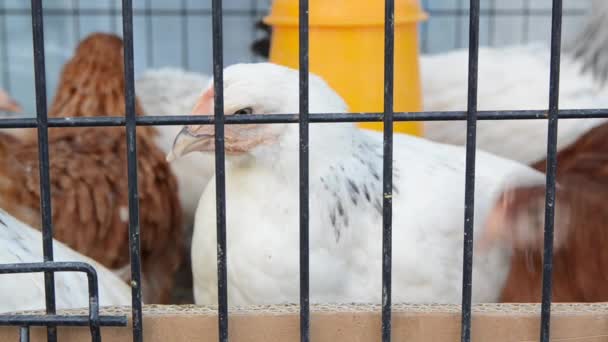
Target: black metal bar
<point x="469" y="192"/>
<point x="24" y="334"/>
<point x="134" y="228"/>
<point x="220" y="169"/>
<point x="387" y="178"/>
<point x="170" y="120"/>
<point x="56" y="266"/>
<point x="93" y="303"/>
<point x="556" y="37"/>
<point x="93" y="318"/>
<point x="61" y="320"/>
<point x="304" y="174"/>
<point x="43" y="155"/>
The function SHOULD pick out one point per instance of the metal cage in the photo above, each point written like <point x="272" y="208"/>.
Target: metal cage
<point x="388" y="116"/>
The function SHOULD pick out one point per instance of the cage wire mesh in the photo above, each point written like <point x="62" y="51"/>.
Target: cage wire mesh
<point x="178" y="32"/>
<point x="193" y="51"/>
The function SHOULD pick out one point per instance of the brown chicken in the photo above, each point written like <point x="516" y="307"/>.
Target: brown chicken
<point x="88" y="168"/>
<point x="580" y="236"/>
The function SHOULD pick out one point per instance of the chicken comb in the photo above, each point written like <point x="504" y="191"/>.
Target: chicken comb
<point x="204" y="105"/>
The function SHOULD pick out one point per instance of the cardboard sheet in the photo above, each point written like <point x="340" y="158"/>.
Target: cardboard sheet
<point x="348" y="323"/>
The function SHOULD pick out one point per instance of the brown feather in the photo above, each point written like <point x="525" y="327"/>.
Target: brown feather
<point x="88" y="168"/>
<point x="581" y="220"/>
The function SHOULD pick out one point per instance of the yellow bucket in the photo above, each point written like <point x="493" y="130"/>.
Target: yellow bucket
<point x="347" y="50"/>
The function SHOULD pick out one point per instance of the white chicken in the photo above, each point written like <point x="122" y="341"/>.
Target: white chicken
<point x="173" y="91"/>
<point x="20" y="243"/>
<point x="516" y="78"/>
<point x="345" y="204"/>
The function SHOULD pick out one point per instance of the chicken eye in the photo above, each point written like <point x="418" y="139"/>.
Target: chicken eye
<point x="244" y="111"/>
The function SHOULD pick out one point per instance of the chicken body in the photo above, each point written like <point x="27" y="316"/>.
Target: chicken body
<point x="88" y="168"/>
<point x="345" y="205"/>
<point x="580" y="227"/>
<point x="517" y="78"/>
<point x="510" y="78"/>
<point x="20" y="243"/>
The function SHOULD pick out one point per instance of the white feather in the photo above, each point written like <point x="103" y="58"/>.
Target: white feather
<point x="517" y="78"/>
<point x="20" y="243"/>
<point x="345" y="224"/>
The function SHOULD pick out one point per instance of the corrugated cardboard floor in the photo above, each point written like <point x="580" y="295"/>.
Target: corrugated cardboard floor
<point x="350" y="323"/>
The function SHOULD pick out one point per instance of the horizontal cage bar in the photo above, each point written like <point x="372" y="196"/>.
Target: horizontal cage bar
<point x="61" y="320"/>
<point x="167" y="120"/>
<point x="55" y="266"/>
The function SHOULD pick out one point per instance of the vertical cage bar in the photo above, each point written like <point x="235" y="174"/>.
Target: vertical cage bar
<point x="134" y="229"/>
<point x="304" y="176"/>
<point x="43" y="155"/>
<point x="24" y="334"/>
<point x="469" y="184"/>
<point x="93" y="303"/>
<point x="220" y="169"/>
<point x="556" y="37"/>
<point x="387" y="178"/>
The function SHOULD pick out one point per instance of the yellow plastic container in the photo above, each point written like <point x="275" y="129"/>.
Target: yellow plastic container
<point x="347" y="49"/>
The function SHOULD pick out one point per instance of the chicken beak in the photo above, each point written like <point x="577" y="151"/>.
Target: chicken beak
<point x="190" y="140"/>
